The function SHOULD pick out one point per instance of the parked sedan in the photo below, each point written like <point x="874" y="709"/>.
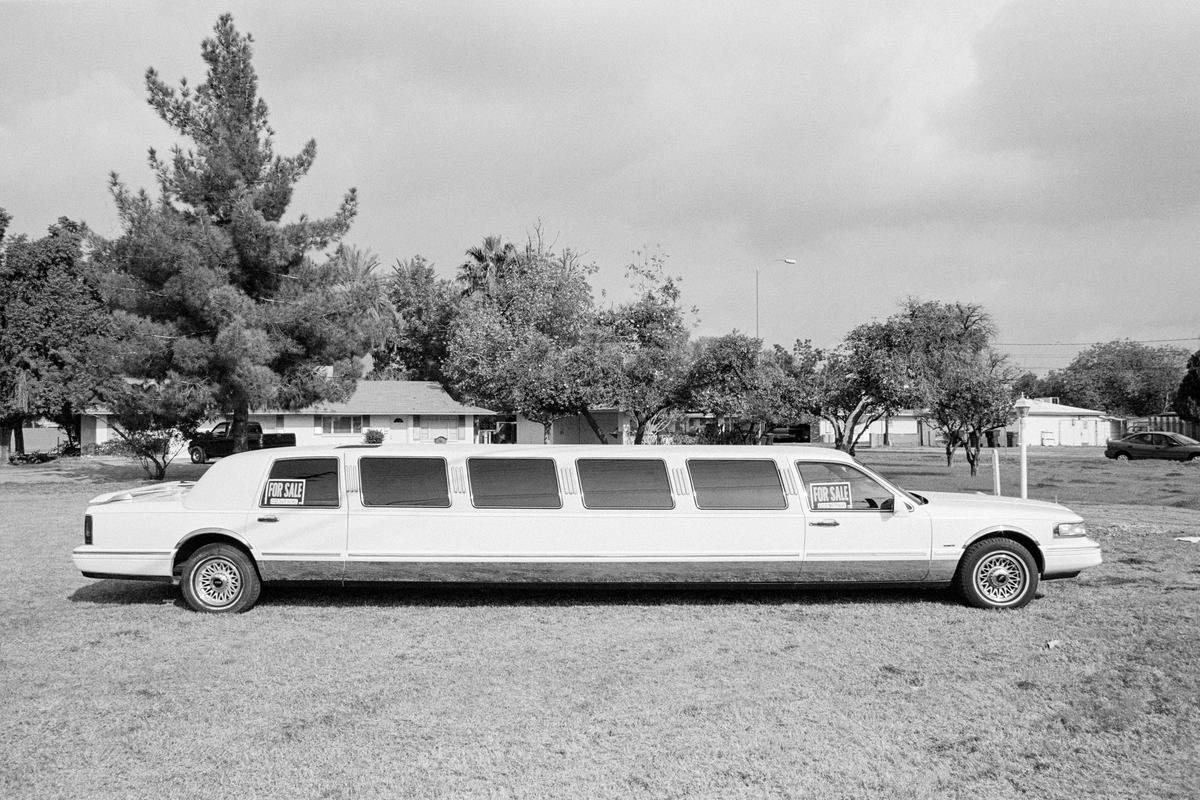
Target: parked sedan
<point x="1153" y="444"/>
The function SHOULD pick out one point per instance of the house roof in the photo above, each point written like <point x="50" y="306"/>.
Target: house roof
<point x="1045" y="408"/>
<point x="396" y="397"/>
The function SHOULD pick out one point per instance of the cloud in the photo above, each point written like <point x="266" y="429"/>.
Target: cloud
<point x="1099" y="101"/>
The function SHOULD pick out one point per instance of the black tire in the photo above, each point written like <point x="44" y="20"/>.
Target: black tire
<point x="198" y="455"/>
<point x="1121" y="456"/>
<point x="997" y="573"/>
<point x="220" y="579"/>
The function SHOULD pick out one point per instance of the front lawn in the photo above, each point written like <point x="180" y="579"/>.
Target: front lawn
<point x="113" y="689"/>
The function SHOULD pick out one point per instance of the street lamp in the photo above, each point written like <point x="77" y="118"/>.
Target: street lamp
<point x="756" y="271"/>
<point x="1023" y="405"/>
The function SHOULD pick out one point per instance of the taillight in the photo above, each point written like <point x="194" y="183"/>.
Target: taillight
<point x="87" y="528"/>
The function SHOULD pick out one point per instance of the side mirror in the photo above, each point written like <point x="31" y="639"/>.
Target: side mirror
<point x="898" y="506"/>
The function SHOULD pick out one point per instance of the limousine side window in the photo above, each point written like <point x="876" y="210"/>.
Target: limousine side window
<point x="741" y="484"/>
<point x="302" y="483"/>
<point x="841" y="487"/>
<point x="513" y="483"/>
<point x="629" y="483"/>
<point x="404" y="482"/>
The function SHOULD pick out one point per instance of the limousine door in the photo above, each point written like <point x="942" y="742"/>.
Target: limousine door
<point x="299" y="527"/>
<point x="852" y="532"/>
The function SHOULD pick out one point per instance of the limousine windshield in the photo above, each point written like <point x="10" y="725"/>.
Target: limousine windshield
<point x="798" y="515"/>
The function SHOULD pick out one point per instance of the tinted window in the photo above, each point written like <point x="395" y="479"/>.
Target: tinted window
<point x="736" y="484"/>
<point x="305" y="482"/>
<point x="404" y="482"/>
<point x="624" y="483"/>
<point x="841" y="487"/>
<point x="513" y="483"/>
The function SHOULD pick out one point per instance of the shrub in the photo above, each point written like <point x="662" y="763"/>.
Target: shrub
<point x="373" y="436"/>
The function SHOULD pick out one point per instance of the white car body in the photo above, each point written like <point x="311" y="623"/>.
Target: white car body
<point x="817" y="532"/>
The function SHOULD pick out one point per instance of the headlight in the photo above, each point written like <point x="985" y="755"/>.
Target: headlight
<point x="1068" y="530"/>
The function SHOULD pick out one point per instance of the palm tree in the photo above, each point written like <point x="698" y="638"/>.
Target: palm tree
<point x="484" y="265"/>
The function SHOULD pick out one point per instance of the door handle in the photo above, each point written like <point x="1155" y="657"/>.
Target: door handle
<point x="268" y="519"/>
<point x="824" y="523"/>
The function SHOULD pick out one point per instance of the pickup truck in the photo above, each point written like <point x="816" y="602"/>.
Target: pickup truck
<point x="218" y="442"/>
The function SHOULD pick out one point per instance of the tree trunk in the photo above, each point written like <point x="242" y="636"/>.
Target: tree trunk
<point x="973" y="458"/>
<point x="595" y="426"/>
<point x="239" y="430"/>
<point x="19" y="437"/>
<point x="950" y="445"/>
<point x="547" y="431"/>
<point x="5" y="438"/>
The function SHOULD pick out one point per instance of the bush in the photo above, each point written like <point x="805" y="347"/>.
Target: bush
<point x="373" y="436"/>
<point x="36" y="457"/>
<point x="114" y="447"/>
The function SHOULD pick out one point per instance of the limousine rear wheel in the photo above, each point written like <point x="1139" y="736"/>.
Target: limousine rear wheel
<point x="997" y="573"/>
<point x="220" y="579"/>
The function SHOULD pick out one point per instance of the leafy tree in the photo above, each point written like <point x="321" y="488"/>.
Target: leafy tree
<point x="426" y="308"/>
<point x="212" y="268"/>
<point x="972" y="396"/>
<point x="1124" y="378"/>
<point x="1187" y="397"/>
<point x="860" y="381"/>
<point x="155" y="419"/>
<point x="960" y="382"/>
<point x="53" y="324"/>
<point x="732" y="376"/>
<point x="650" y="353"/>
<point x="529" y="343"/>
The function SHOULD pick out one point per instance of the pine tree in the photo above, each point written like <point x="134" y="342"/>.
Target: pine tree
<point x="211" y="270"/>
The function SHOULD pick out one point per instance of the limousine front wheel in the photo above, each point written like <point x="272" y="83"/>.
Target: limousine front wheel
<point x="997" y="573"/>
<point x="220" y="579"/>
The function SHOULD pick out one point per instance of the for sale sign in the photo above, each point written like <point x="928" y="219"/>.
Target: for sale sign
<point x="285" y="492"/>
<point x="829" y="496"/>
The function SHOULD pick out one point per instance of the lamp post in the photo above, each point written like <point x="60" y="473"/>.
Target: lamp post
<point x="1023" y="405"/>
<point x="756" y="271"/>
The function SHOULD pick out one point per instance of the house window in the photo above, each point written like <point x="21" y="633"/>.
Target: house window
<point x="334" y="425"/>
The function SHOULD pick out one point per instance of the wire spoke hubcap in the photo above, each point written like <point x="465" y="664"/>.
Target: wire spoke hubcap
<point x="1000" y="577"/>
<point x="218" y="582"/>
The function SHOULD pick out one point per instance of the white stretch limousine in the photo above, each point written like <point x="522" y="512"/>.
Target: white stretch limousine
<point x="802" y="515"/>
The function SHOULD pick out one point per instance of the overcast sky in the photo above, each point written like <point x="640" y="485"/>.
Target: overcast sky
<point x="1039" y="158"/>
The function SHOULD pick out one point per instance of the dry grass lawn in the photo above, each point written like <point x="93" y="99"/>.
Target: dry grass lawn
<point x="112" y="689"/>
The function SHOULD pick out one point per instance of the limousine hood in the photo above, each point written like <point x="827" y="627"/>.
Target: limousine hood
<point x="981" y="504"/>
<point x="159" y="491"/>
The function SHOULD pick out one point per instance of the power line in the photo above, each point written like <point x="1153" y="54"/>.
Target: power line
<point x="1085" y="344"/>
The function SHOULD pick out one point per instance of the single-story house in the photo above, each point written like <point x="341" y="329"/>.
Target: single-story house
<point x="405" y="411"/>
<point x="1050" y="424"/>
<point x="904" y="428"/>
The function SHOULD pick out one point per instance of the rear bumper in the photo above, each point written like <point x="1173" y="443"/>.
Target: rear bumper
<point x="1069" y="559"/>
<point x="97" y="563"/>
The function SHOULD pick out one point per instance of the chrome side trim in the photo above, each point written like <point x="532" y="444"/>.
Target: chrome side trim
<point x="889" y="569"/>
<point x="576" y="571"/>
<point x="941" y="570"/>
<point x="286" y="569"/>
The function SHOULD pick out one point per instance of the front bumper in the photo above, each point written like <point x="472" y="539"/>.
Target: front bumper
<point x="1072" y="556"/>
